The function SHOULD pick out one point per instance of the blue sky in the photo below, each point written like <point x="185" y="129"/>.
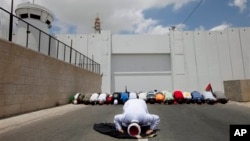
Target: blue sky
<point x="143" y="16"/>
<point x="210" y="14"/>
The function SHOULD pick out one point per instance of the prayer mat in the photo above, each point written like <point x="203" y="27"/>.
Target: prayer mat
<point x="110" y="130"/>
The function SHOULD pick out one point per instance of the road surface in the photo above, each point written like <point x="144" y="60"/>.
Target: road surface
<point x="186" y="122"/>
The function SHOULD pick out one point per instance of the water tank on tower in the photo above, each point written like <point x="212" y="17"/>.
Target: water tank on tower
<point x="37" y="16"/>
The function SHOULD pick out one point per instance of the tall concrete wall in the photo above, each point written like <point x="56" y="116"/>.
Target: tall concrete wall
<point x="196" y="57"/>
<point x="202" y="57"/>
<point x="32" y="81"/>
<point x="95" y="46"/>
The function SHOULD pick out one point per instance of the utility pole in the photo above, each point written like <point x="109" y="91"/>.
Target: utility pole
<point x="11" y="22"/>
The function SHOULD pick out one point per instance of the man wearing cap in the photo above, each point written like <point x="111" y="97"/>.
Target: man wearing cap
<point x="134" y="117"/>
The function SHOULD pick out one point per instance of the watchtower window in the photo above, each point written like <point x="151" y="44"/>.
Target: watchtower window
<point x="24" y="16"/>
<point x="48" y="22"/>
<point x="35" y="16"/>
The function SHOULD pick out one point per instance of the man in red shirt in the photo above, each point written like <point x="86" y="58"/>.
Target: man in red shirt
<point x="178" y="97"/>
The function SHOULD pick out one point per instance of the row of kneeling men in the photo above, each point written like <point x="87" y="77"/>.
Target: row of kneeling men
<point x="151" y="97"/>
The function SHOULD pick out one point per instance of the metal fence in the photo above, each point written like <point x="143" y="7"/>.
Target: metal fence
<point x="42" y="42"/>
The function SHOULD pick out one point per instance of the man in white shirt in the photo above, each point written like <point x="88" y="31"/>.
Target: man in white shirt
<point x="102" y="98"/>
<point x="209" y="97"/>
<point x="135" y="112"/>
<point x="94" y="98"/>
<point x="132" y="95"/>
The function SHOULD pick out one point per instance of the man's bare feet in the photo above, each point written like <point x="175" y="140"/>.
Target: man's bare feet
<point x="149" y="131"/>
<point x="121" y="131"/>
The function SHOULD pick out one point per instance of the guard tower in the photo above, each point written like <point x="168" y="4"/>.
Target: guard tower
<point x="37" y="16"/>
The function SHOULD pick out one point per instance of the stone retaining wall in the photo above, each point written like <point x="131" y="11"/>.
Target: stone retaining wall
<point x="31" y="81"/>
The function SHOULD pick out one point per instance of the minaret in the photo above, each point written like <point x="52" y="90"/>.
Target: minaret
<point x="97" y="25"/>
<point x="37" y="16"/>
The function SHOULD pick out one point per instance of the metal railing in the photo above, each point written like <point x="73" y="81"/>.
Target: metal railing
<point x="42" y="42"/>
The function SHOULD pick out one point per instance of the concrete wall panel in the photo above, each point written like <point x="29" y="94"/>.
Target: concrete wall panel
<point x="212" y="59"/>
<point x="190" y="61"/>
<point x="141" y="72"/>
<point x="245" y="42"/>
<point x="99" y="49"/>
<point x="224" y="56"/>
<point x="178" y="62"/>
<point x="125" y="44"/>
<point x="141" y="62"/>
<point x="201" y="59"/>
<point x="235" y="54"/>
<point x="142" y="81"/>
<point x="177" y="43"/>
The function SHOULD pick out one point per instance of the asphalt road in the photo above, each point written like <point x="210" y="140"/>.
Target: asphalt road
<point x="186" y="122"/>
